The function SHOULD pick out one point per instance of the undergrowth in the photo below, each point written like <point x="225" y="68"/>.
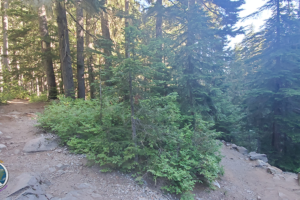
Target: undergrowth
<point x="166" y="146"/>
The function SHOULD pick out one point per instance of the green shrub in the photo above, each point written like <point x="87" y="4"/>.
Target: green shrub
<point x="35" y="98"/>
<point x="12" y="91"/>
<point x="165" y="146"/>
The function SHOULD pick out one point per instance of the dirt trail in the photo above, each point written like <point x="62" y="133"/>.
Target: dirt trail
<point x="17" y="120"/>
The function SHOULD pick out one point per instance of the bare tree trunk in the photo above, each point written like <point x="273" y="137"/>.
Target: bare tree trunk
<point x="46" y="48"/>
<point x="127" y="55"/>
<point x="80" y="48"/>
<point x="190" y="67"/>
<point x="64" y="48"/>
<point x="89" y="44"/>
<point x="106" y="47"/>
<point x="276" y="137"/>
<point x="4" y="7"/>
<point x="159" y="29"/>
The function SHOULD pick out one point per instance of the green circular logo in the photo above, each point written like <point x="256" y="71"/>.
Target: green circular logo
<point x="3" y="176"/>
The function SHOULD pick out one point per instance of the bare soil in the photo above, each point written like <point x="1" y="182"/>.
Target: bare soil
<point x="17" y="123"/>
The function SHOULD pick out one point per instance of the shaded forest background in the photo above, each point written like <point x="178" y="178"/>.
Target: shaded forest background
<point x="149" y="86"/>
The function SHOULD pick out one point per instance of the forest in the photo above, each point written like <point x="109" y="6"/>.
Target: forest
<point x="151" y="87"/>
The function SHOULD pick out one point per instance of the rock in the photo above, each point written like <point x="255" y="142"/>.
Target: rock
<point x="1" y="133"/>
<point x="2" y="146"/>
<point x="28" y="186"/>
<point x="84" y="162"/>
<point x="84" y="186"/>
<point x="40" y="144"/>
<point x="17" y="151"/>
<point x="234" y="146"/>
<point x="274" y="170"/>
<point x="282" y="196"/>
<point x="260" y="163"/>
<point x="61" y="166"/>
<point x="8" y="137"/>
<point x="258" y="198"/>
<point x="215" y="183"/>
<point x="276" y="177"/>
<point x="257" y="156"/>
<point x="242" y="150"/>
<point x="52" y="169"/>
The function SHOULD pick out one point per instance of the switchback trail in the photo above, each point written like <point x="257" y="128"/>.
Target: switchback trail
<point x="60" y="175"/>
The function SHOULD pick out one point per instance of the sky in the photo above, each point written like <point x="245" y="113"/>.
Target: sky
<point x="250" y="7"/>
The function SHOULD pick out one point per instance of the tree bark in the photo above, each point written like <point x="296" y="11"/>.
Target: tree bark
<point x="89" y="61"/>
<point x="159" y="29"/>
<point x="106" y="47"/>
<point x="64" y="48"/>
<point x="276" y="135"/>
<point x="4" y="7"/>
<point x="127" y="55"/>
<point x="80" y="48"/>
<point x="47" y="57"/>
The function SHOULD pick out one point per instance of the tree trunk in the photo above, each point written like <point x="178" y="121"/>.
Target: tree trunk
<point x="190" y="41"/>
<point x="80" y="48"/>
<point x="159" y="29"/>
<point x="47" y="57"/>
<point x="64" y="48"/>
<point x="106" y="47"/>
<point x="127" y="55"/>
<point x="4" y="7"/>
<point x="276" y="135"/>
<point x="89" y="44"/>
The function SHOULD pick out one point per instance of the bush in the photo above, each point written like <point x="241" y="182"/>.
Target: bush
<point x="12" y="92"/>
<point x="35" y="98"/>
<point x="164" y="146"/>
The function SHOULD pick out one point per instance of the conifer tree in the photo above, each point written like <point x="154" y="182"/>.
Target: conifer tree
<point x="46" y="48"/>
<point x="4" y="7"/>
<point x="272" y="80"/>
<point x="80" y="49"/>
<point x="64" y="48"/>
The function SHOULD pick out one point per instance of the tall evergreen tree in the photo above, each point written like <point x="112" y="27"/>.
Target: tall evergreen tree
<point x="46" y="48"/>
<point x="64" y="46"/>
<point x="80" y="49"/>
<point x="4" y="7"/>
<point x="272" y="80"/>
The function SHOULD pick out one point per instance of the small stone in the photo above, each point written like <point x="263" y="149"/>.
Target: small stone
<point x="59" y="151"/>
<point x="52" y="169"/>
<point x="260" y="163"/>
<point x="8" y="137"/>
<point x="215" y="183"/>
<point x="257" y="156"/>
<point x="274" y="170"/>
<point x="258" y="198"/>
<point x="17" y="151"/>
<point x="1" y="133"/>
<point x="282" y="196"/>
<point x="276" y="177"/>
<point x="2" y="146"/>
<point x="59" y="165"/>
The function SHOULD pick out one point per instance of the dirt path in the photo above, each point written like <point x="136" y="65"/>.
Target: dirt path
<point x="66" y="171"/>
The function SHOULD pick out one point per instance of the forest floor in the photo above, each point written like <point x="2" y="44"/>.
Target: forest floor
<point x="65" y="171"/>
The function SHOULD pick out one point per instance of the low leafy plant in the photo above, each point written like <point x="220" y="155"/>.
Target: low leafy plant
<point x="35" y="98"/>
<point x="165" y="146"/>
